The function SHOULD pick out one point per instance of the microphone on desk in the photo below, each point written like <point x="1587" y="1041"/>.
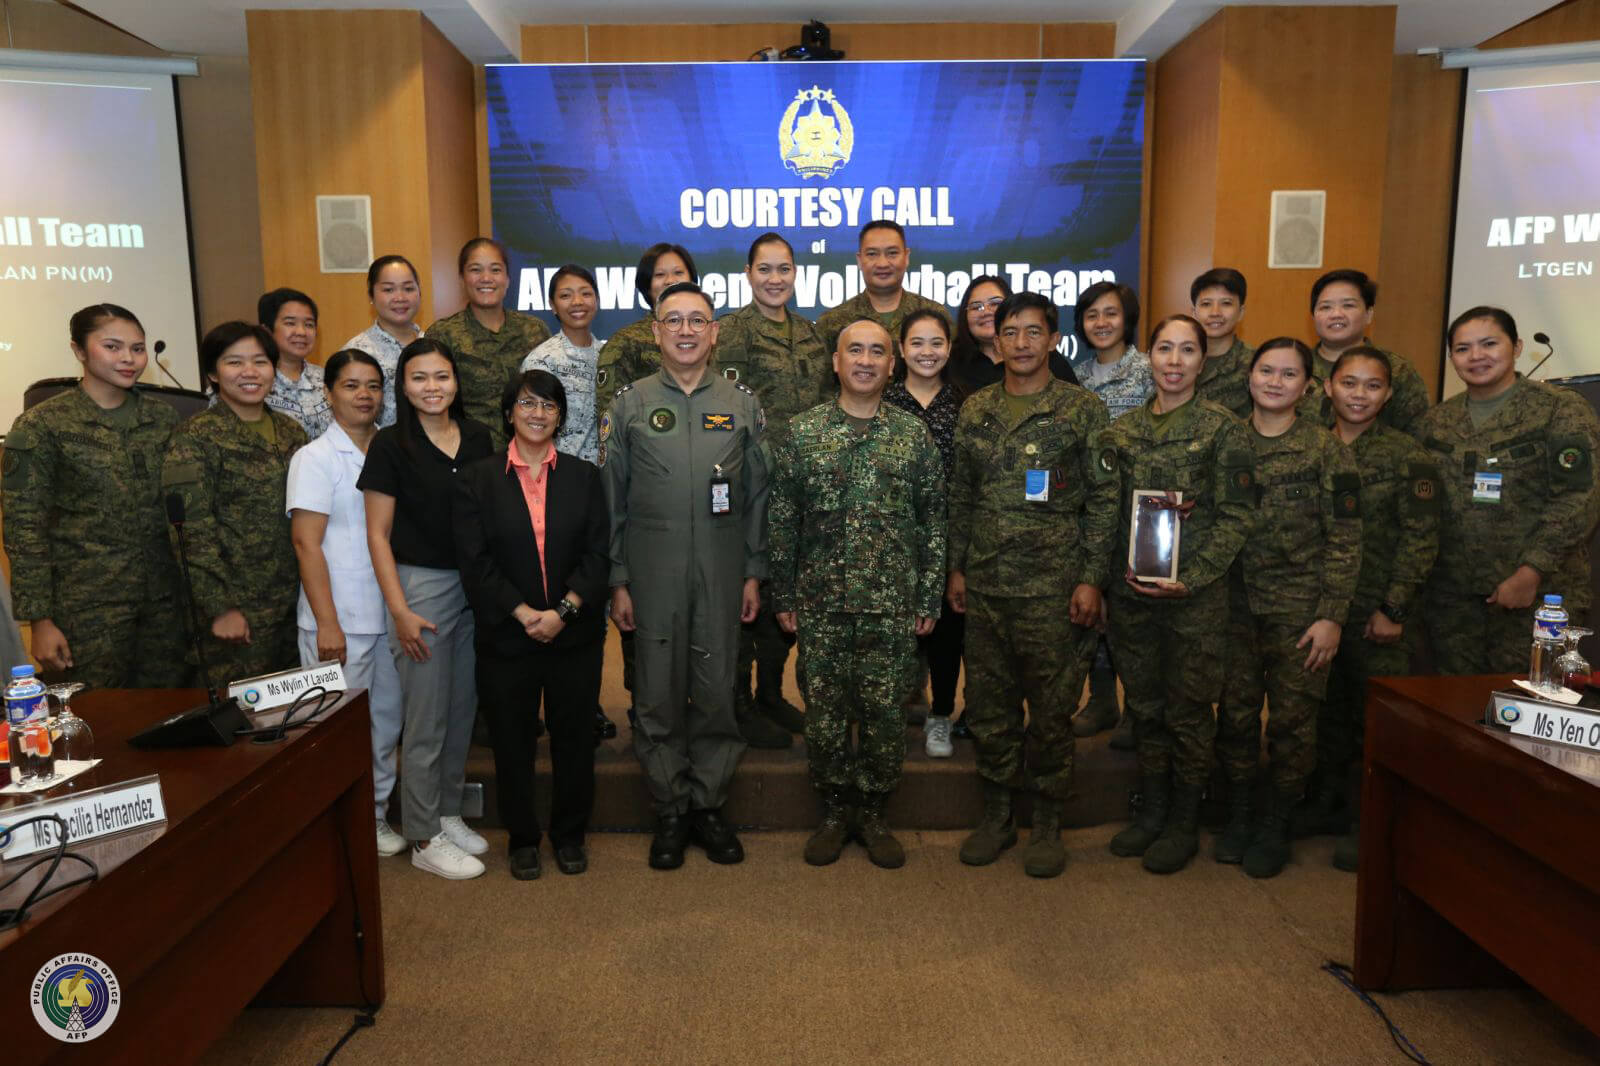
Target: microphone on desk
<point x="215" y="722"/>
<point x="1544" y="339"/>
<point x="158" y="348"/>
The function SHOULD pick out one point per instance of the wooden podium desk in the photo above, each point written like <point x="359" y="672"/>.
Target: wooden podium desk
<point x="245" y="895"/>
<point x="1480" y="852"/>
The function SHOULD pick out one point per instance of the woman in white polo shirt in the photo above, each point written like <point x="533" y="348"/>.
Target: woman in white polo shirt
<point x="341" y="612"/>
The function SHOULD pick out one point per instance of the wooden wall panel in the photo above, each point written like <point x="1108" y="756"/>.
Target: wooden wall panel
<point x="1182" y="174"/>
<point x="688" y="43"/>
<point x="1575" y="20"/>
<point x="1078" y="40"/>
<point x="452" y="149"/>
<point x="1293" y="116"/>
<point x="338" y="106"/>
<point x="1414" y="260"/>
<point x="555" y="44"/>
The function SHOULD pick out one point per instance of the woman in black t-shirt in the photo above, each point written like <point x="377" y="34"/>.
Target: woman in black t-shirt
<point x="408" y="483"/>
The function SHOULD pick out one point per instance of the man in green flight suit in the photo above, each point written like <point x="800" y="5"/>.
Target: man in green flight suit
<point x="857" y="553"/>
<point x="883" y="257"/>
<point x="1033" y="518"/>
<point x="780" y="355"/>
<point x="686" y="482"/>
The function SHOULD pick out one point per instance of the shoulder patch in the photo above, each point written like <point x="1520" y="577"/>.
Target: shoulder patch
<point x="1570" y="461"/>
<point x="1239" y="474"/>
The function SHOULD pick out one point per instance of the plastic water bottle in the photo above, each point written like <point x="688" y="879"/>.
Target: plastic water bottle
<point x="1549" y="627"/>
<point x="24" y="697"/>
<point x="28" y="718"/>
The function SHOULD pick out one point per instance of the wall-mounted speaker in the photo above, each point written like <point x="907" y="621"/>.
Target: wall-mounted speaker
<point x="344" y="233"/>
<point x="1295" y="235"/>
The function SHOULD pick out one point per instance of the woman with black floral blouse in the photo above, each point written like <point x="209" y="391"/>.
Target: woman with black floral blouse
<point x="922" y="387"/>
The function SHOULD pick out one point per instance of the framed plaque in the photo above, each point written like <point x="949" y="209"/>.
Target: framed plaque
<point x="1153" y="535"/>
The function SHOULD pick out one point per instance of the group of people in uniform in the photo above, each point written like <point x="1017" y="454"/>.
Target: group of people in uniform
<point x="897" y="493"/>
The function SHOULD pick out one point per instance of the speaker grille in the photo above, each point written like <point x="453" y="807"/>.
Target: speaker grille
<point x="344" y="233"/>
<point x="1295" y="236"/>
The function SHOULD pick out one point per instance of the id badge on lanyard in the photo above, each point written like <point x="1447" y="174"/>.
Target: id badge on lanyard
<point x="721" y="498"/>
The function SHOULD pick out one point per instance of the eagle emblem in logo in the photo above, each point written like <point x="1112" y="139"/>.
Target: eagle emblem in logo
<point x="815" y="143"/>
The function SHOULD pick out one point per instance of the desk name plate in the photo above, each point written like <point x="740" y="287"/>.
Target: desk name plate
<point x="102" y="812"/>
<point x="1523" y="716"/>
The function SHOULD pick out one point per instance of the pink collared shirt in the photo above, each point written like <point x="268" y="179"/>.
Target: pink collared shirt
<point x="534" y="486"/>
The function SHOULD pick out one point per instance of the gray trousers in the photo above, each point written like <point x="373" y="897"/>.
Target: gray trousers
<point x="683" y="652"/>
<point x="438" y="698"/>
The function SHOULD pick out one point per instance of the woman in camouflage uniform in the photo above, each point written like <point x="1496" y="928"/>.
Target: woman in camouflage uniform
<point x="1295" y="578"/>
<point x="90" y="566"/>
<point x="229" y="465"/>
<point x="1169" y="636"/>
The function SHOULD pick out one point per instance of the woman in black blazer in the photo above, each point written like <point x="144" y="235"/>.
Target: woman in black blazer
<point x="531" y="533"/>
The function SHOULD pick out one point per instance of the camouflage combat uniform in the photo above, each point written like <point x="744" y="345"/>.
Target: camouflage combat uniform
<point x="86" y="532"/>
<point x="233" y="482"/>
<point x="1170" y="652"/>
<point x="1408" y="403"/>
<point x="631" y="354"/>
<point x="858" y="307"/>
<point x="1542" y="442"/>
<point x="1225" y="379"/>
<point x="486" y="360"/>
<point x="789" y="369"/>
<point x="1299" y="565"/>
<point x="1022" y="559"/>
<point x="1399" y="541"/>
<point x="856" y="543"/>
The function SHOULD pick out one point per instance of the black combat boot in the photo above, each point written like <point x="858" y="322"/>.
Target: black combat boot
<point x="1268" y="852"/>
<point x="1180" y="840"/>
<point x="1045" y="855"/>
<point x="996" y="832"/>
<point x="1154" y="795"/>
<point x="827" y="843"/>
<point x="1100" y="713"/>
<point x="1347" y="851"/>
<point x="1324" y="811"/>
<point x="873" y="832"/>
<point x="1231" y="844"/>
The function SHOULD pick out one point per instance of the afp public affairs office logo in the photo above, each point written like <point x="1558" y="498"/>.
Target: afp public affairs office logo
<point x="75" y="997"/>
<point x="818" y="142"/>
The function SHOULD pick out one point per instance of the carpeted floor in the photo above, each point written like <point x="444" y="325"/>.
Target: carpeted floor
<point x="774" y="961"/>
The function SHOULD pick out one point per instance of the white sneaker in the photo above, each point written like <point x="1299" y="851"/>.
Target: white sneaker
<point x="389" y="842"/>
<point x="462" y="837"/>
<point x="937" y="732"/>
<point x="442" y="857"/>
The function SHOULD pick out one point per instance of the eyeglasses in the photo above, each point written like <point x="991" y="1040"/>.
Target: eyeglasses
<point x="528" y="405"/>
<point x="991" y="303"/>
<point x="675" y="322"/>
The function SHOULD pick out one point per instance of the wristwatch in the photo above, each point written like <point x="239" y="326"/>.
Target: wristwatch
<point x="1397" y="615"/>
<point x="566" y="610"/>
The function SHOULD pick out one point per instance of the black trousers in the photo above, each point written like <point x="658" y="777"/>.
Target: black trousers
<point x="509" y="690"/>
<point x="942" y="649"/>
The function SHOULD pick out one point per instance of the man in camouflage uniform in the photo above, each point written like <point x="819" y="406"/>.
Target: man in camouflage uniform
<point x="1298" y="568"/>
<point x="883" y="258"/>
<point x="232" y="481"/>
<point x="787" y="366"/>
<point x="857" y="562"/>
<point x="1400" y="499"/>
<point x="686" y="484"/>
<point x="1531" y="526"/>
<point x="487" y="360"/>
<point x="1031" y="533"/>
<point x="85" y="531"/>
<point x="1342" y="302"/>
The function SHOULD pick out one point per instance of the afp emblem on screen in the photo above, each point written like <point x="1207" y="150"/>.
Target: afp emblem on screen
<point x="815" y="143"/>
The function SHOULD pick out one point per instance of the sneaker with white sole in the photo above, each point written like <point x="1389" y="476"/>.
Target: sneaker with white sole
<point x="937" y="733"/>
<point x="440" y="856"/>
<point x="462" y="837"/>
<point x="389" y="842"/>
